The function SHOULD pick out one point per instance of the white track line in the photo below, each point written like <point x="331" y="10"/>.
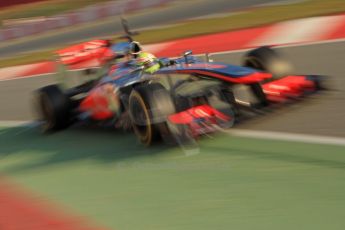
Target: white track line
<point x="18" y="123"/>
<point x="256" y="134"/>
<point x="27" y="77"/>
<point x="43" y="74"/>
<point x="282" y="136"/>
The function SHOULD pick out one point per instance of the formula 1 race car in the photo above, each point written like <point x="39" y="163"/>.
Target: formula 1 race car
<point x="187" y="97"/>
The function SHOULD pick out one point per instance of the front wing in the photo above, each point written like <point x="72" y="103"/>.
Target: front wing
<point x="291" y="87"/>
<point x="204" y="119"/>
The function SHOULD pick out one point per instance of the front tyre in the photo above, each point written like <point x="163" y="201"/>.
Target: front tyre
<point x="268" y="60"/>
<point x="223" y="101"/>
<point x="257" y="90"/>
<point x="149" y="106"/>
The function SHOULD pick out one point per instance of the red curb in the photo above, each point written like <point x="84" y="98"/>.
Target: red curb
<point x="41" y="68"/>
<point x="21" y="210"/>
<point x="226" y="41"/>
<point x="232" y="40"/>
<point x="338" y="33"/>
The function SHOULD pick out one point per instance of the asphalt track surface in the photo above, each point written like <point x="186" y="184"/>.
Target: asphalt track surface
<point x="320" y="114"/>
<point x="174" y="12"/>
<point x="109" y="179"/>
<point x="233" y="183"/>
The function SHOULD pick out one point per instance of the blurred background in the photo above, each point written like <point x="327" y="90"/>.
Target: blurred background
<point x="287" y="172"/>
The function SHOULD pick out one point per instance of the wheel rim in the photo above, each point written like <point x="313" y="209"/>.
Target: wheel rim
<point x="141" y="119"/>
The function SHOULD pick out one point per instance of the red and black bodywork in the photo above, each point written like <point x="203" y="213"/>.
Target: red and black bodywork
<point x="199" y="96"/>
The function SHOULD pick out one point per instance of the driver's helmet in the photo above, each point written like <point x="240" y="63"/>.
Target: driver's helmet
<point x="145" y="59"/>
<point x="135" y="49"/>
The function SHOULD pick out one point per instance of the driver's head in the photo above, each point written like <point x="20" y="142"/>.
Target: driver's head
<point x="134" y="48"/>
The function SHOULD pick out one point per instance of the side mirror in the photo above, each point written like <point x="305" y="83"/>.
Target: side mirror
<point x="186" y="54"/>
<point x="208" y="57"/>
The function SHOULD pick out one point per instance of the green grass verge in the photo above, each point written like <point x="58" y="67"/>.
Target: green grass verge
<point x="45" y="8"/>
<point x="257" y="17"/>
<point x="234" y="183"/>
<point x="27" y="58"/>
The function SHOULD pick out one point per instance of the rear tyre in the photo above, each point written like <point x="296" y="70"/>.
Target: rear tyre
<point x="54" y="108"/>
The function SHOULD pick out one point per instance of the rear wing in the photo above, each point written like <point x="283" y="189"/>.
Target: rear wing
<point x="99" y="51"/>
<point x="96" y="50"/>
<point x="94" y="57"/>
<point x="91" y="59"/>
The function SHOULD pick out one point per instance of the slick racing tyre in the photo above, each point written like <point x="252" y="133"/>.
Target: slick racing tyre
<point x="149" y="106"/>
<point x="221" y="101"/>
<point x="53" y="108"/>
<point x="268" y="60"/>
<point x="259" y="94"/>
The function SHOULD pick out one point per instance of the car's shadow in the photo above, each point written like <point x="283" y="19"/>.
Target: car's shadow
<point x="101" y="145"/>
